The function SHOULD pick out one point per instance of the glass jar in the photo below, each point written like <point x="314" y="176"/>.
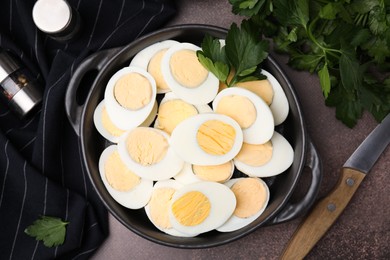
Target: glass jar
<point x="57" y="19"/>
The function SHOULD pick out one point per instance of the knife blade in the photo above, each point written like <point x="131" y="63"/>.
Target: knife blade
<point x="327" y="210"/>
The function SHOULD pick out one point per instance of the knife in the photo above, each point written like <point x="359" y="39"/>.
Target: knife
<point x="324" y="214"/>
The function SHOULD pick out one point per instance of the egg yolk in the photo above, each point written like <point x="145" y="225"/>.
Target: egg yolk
<point x="109" y="125"/>
<point x="133" y="91"/>
<point x="218" y="173"/>
<point x="251" y="196"/>
<point x="255" y="154"/>
<point x="172" y="112"/>
<point x="191" y="209"/>
<point x="239" y="108"/>
<point x="118" y="175"/>
<point x="186" y="69"/>
<point x="216" y="137"/>
<point x="262" y="88"/>
<point x="154" y="68"/>
<point x="159" y="207"/>
<point x="146" y="146"/>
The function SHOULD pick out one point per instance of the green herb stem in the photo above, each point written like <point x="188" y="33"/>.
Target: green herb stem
<point x="324" y="49"/>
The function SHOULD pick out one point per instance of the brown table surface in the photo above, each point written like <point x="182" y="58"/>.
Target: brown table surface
<point x="361" y="232"/>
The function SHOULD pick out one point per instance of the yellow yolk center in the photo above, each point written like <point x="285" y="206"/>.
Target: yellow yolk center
<point x="118" y="175"/>
<point x="251" y="196"/>
<point x="239" y="108"/>
<point x="172" y="112"/>
<point x="133" y="91"/>
<point x="218" y="173"/>
<point x="154" y="68"/>
<point x="146" y="146"/>
<point x="216" y="137"/>
<point x="191" y="209"/>
<point x="262" y="88"/>
<point x="255" y="154"/>
<point x="159" y="207"/>
<point x="108" y="125"/>
<point x="186" y="69"/>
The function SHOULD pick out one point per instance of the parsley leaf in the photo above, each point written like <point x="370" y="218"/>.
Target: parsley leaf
<point x="350" y="73"/>
<point x="348" y="109"/>
<point x="213" y="58"/>
<point x="243" y="49"/>
<point x="377" y="20"/>
<point x="241" y="55"/>
<point x="343" y="42"/>
<point x="247" y="7"/>
<point x="325" y="80"/>
<point x="292" y="12"/>
<point x="330" y="10"/>
<point x="48" y="229"/>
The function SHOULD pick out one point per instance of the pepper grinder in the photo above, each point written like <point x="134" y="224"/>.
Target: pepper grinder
<point x="57" y="19"/>
<point x="18" y="86"/>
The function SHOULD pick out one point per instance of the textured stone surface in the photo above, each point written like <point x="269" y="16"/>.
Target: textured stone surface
<point x="362" y="231"/>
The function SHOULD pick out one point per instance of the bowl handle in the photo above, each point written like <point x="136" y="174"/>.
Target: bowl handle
<point x="92" y="65"/>
<point x="294" y="210"/>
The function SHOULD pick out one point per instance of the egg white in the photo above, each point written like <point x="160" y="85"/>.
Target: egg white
<point x="142" y="58"/>
<point x="97" y="119"/>
<point x="168" y="167"/>
<point x="202" y="108"/>
<point x="222" y="200"/>
<point x="184" y="143"/>
<point x="120" y="116"/>
<point x="166" y="184"/>
<point x="137" y="197"/>
<point x="202" y="94"/>
<point x="186" y="175"/>
<point x="234" y="222"/>
<point x="262" y="128"/>
<point x="282" y="158"/>
<point x="279" y="106"/>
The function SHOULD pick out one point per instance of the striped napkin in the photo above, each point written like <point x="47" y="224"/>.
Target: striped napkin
<point x="41" y="172"/>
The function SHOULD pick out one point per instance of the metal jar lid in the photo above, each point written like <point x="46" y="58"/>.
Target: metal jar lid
<point x="8" y="65"/>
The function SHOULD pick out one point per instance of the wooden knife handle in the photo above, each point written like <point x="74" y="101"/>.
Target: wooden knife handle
<point x="323" y="215"/>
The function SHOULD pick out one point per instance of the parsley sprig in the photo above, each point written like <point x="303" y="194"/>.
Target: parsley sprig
<point x="345" y="42"/>
<point x="243" y="52"/>
<point x="48" y="229"/>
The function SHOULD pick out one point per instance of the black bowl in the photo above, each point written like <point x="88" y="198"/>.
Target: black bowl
<point x="104" y="64"/>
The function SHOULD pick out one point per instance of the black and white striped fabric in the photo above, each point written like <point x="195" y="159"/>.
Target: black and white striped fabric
<point x="41" y="171"/>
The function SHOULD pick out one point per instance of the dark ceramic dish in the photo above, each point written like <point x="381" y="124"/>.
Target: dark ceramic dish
<point x="102" y="65"/>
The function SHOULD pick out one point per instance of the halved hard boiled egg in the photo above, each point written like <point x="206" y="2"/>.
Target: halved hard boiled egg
<point x="270" y="91"/>
<point x="201" y="207"/>
<point x="108" y="129"/>
<point x="150" y="59"/>
<point x="252" y="195"/>
<point x="279" y="105"/>
<point x="129" y="97"/>
<point x="157" y="208"/>
<point x="264" y="160"/>
<point x="194" y="173"/>
<point x="207" y="139"/>
<point x="186" y="76"/>
<point x="147" y="152"/>
<point x="173" y="110"/>
<point x="249" y="110"/>
<point x="127" y="188"/>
